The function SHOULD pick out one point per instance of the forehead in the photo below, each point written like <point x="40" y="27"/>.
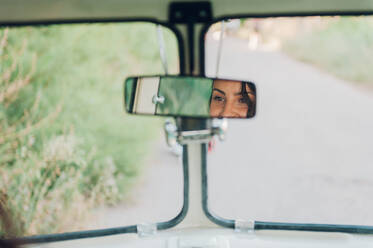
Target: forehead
<point x="227" y="86"/>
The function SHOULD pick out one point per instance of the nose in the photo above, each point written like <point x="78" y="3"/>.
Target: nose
<point x="227" y="110"/>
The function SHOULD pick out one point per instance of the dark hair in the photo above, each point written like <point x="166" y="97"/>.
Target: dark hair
<point x="250" y="104"/>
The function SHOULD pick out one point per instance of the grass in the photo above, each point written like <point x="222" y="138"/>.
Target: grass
<point x="344" y="47"/>
<point x="65" y="142"/>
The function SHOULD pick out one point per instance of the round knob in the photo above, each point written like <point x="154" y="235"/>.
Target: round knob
<point x="158" y="99"/>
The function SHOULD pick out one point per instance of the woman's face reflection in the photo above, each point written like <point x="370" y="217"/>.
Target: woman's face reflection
<point x="229" y="100"/>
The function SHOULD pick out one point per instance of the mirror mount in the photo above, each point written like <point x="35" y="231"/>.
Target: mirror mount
<point x="158" y="99"/>
<point x="190" y="14"/>
<point x="218" y="128"/>
<point x="196" y="136"/>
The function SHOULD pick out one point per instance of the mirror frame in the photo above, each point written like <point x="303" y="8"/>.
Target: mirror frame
<point x="187" y="116"/>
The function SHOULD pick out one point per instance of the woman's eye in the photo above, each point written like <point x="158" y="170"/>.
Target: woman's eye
<point x="242" y="100"/>
<point x="218" y="98"/>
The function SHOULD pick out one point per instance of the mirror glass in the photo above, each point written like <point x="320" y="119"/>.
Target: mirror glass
<point x="190" y="97"/>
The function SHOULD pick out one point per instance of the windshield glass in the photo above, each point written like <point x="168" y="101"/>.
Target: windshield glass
<point x="307" y="155"/>
<point x="70" y="158"/>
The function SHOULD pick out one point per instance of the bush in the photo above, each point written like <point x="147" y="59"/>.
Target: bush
<point x="65" y="143"/>
<point x="343" y="47"/>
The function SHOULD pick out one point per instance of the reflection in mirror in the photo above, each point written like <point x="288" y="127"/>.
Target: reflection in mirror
<point x="232" y="99"/>
<point x="190" y="97"/>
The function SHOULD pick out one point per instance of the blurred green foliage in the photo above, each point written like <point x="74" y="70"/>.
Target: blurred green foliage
<point x="185" y="96"/>
<point x="128" y="91"/>
<point x="66" y="144"/>
<point x="344" y="47"/>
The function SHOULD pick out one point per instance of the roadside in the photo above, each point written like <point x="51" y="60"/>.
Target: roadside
<point x="156" y="197"/>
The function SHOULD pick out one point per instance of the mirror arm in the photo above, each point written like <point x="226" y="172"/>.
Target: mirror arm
<point x="162" y="49"/>
<point x="220" y="47"/>
<point x="218" y="128"/>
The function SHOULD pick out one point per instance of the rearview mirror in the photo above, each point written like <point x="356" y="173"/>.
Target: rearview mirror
<point x="188" y="96"/>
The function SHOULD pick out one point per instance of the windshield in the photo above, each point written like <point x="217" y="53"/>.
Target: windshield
<point x="70" y="158"/>
<point x="307" y="155"/>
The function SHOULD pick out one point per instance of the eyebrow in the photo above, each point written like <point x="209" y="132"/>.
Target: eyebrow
<point x="219" y="91"/>
<point x="240" y="93"/>
<point x="236" y="94"/>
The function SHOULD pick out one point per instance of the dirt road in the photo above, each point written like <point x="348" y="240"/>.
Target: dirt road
<point x="306" y="157"/>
